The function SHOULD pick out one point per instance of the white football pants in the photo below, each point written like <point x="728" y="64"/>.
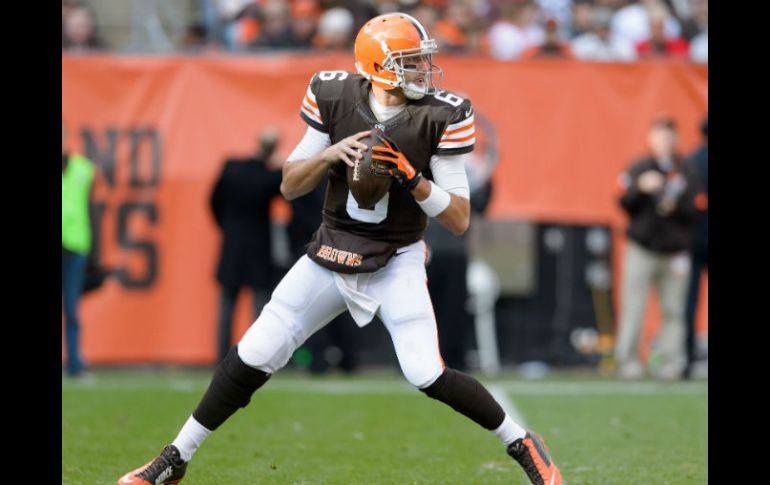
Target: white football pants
<point x="309" y="296"/>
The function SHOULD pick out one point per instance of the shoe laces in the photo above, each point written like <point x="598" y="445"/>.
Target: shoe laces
<point x="164" y="460"/>
<point x="522" y="454"/>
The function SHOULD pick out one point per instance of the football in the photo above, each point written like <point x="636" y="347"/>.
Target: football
<point x="366" y="187"/>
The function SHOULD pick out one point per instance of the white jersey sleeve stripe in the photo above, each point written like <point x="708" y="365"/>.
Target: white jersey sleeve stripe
<point x="311" y="115"/>
<point x="460" y="124"/>
<point x="311" y="95"/>
<point x="311" y="108"/>
<point x="450" y="144"/>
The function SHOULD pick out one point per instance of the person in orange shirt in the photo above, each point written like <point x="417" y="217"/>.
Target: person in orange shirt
<point x="552" y="47"/>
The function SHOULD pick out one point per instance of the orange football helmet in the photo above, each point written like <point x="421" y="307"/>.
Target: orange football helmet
<point x="394" y="51"/>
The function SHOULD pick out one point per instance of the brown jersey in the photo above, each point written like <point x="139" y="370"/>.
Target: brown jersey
<point x="337" y="103"/>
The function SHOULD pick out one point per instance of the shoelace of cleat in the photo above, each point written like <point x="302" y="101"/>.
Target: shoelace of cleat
<point x="524" y="458"/>
<point x="157" y="466"/>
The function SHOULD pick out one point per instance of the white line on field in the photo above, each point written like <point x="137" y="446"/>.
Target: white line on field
<point x="501" y="396"/>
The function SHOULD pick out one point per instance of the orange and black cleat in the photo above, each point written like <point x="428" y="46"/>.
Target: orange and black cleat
<point x="533" y="456"/>
<point x="167" y="469"/>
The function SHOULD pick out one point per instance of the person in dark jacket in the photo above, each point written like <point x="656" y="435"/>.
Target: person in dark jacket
<point x="662" y="196"/>
<point x="699" y="161"/>
<point x="240" y="203"/>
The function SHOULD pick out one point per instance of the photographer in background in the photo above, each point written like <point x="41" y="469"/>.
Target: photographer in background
<point x="661" y="195"/>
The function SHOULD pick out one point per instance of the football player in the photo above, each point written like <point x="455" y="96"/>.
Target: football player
<point x="366" y="261"/>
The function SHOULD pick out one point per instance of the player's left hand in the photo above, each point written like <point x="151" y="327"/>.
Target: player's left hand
<point x="390" y="161"/>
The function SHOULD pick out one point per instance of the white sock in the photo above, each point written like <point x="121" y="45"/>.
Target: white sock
<point x="510" y="431"/>
<point x="190" y="438"/>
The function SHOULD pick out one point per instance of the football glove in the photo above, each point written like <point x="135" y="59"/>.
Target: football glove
<point x="387" y="159"/>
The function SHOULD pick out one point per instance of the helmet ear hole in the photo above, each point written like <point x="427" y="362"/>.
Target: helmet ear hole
<point x="378" y="67"/>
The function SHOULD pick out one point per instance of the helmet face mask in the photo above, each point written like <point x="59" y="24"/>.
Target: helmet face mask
<point x="409" y="66"/>
<point x="394" y="51"/>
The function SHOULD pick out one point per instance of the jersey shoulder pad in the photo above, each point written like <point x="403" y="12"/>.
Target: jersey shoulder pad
<point x="326" y="88"/>
<point x="458" y="133"/>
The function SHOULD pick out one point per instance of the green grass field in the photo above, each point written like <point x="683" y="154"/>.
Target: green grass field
<point x="377" y="430"/>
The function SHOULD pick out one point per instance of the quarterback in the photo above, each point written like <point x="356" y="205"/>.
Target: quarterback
<point x="369" y="261"/>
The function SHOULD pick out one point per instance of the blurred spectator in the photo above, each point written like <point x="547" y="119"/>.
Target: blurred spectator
<point x="387" y="6"/>
<point x="229" y="9"/>
<point x="225" y="25"/>
<point x="660" y="45"/>
<point x="243" y="29"/>
<point x="477" y="26"/>
<point x="362" y="11"/>
<point x="451" y="31"/>
<point x="701" y="14"/>
<point x="660" y="196"/>
<point x="600" y="44"/>
<point x="552" y="47"/>
<point x="694" y="17"/>
<point x="515" y="31"/>
<point x="503" y="29"/>
<point x="699" y="161"/>
<point x="304" y="21"/>
<point x="67" y="6"/>
<point x="240" y="203"/>
<point x="427" y="16"/>
<point x="194" y="38"/>
<point x="699" y="48"/>
<point x="77" y="177"/>
<point x="209" y="22"/>
<point x="633" y="21"/>
<point x="438" y="4"/>
<point x="79" y="30"/>
<point x="560" y="11"/>
<point x="611" y="4"/>
<point x="335" y="30"/>
<point x="582" y="18"/>
<point x="276" y="28"/>
<point x="212" y="26"/>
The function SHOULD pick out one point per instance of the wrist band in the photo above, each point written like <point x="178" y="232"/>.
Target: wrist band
<point x="437" y="201"/>
<point x="416" y="180"/>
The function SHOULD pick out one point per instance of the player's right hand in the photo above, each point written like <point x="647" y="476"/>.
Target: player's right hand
<point x="390" y="161"/>
<point x="347" y="149"/>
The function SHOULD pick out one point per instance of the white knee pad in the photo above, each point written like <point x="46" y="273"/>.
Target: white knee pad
<point x="268" y="344"/>
<point x="417" y="350"/>
<point x="421" y="374"/>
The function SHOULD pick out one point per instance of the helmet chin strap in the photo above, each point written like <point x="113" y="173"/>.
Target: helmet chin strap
<point x="411" y="91"/>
